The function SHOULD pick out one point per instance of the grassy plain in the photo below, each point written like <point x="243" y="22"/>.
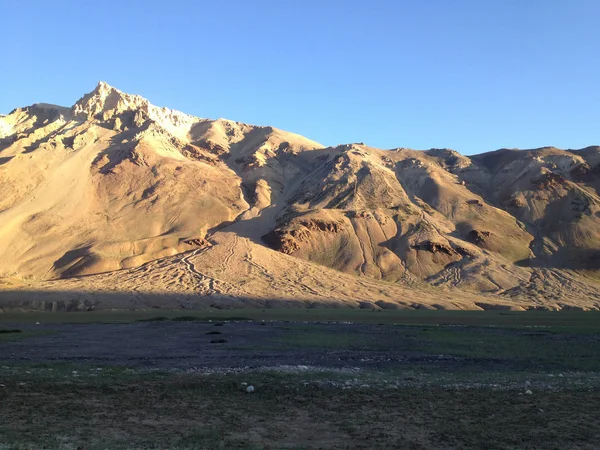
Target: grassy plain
<point x="495" y="380"/>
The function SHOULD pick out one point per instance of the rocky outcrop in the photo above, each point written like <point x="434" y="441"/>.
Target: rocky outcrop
<point x="285" y="241"/>
<point x="435" y="247"/>
<point x="582" y="172"/>
<point x="549" y="180"/>
<point x="198" y="242"/>
<point x="288" y="239"/>
<point x="478" y="237"/>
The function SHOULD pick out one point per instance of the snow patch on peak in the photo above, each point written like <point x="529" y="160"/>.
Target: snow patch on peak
<point x="5" y="127"/>
<point x="106" y="99"/>
<point x="106" y="102"/>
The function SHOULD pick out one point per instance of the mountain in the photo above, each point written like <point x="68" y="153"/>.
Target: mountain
<point x="160" y="208"/>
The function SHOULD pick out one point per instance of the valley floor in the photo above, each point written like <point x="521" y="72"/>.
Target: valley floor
<point x="398" y="379"/>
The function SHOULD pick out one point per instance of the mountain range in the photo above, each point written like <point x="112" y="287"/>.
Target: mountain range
<point x="116" y="203"/>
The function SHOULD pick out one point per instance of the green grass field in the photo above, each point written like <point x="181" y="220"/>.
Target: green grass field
<point x="50" y="407"/>
<point x="463" y="385"/>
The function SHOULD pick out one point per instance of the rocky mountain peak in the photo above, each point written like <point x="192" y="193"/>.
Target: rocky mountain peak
<point x="106" y="102"/>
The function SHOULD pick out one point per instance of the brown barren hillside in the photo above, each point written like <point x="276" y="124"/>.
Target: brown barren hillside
<point x="117" y="203"/>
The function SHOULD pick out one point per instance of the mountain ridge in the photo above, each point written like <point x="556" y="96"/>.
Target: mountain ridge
<point x="115" y="183"/>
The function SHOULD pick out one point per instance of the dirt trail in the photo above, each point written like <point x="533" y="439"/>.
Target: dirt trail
<point x="231" y="252"/>
<point x="207" y="283"/>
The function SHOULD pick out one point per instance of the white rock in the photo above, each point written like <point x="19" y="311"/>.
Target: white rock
<point x="110" y="102"/>
<point x="244" y="383"/>
<point x="250" y="389"/>
<point x="37" y="323"/>
<point x="528" y="392"/>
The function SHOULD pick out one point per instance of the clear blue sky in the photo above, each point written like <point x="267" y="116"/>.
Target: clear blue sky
<point x="473" y="75"/>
